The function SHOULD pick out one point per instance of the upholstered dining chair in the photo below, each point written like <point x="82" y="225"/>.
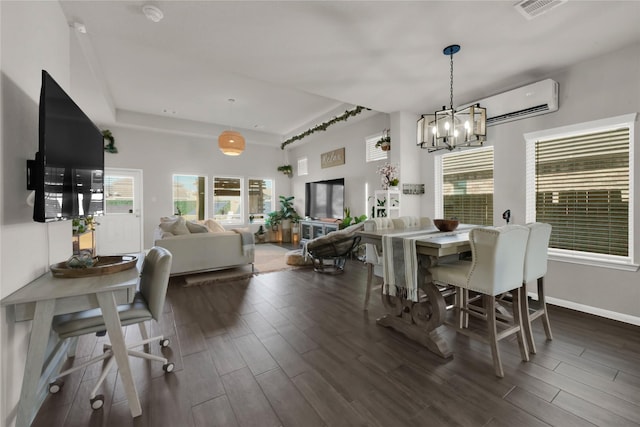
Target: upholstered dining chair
<point x="535" y="268"/>
<point x="496" y="266"/>
<point x="148" y="304"/>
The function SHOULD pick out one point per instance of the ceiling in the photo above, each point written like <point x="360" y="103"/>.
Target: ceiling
<point x="291" y="64"/>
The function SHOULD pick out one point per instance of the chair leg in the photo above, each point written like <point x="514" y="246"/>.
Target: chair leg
<point x="517" y="320"/>
<point x="526" y="319"/>
<point x="369" y="280"/>
<point x="490" y="305"/>
<point x="543" y="306"/>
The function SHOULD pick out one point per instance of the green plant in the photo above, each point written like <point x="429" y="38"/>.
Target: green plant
<point x="348" y="219"/>
<point x="286" y="169"/>
<point x="287" y="211"/>
<point x="385" y="140"/>
<point x="273" y="219"/>
<point x="111" y="146"/>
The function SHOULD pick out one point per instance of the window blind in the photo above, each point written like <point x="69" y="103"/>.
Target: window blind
<point x="467" y="186"/>
<point x="374" y="153"/>
<point x="582" y="190"/>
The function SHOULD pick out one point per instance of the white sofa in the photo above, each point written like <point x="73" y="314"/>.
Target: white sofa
<point x="203" y="250"/>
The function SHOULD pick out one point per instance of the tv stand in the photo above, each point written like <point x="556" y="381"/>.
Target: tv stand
<point x="310" y="229"/>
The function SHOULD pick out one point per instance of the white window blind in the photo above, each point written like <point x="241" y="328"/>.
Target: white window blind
<point x="302" y="166"/>
<point x="374" y="153"/>
<point x="467" y="186"/>
<point x="582" y="190"/>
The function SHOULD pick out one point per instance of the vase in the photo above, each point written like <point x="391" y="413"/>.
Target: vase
<point x="394" y="188"/>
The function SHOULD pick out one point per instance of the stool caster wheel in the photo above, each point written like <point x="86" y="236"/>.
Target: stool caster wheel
<point x="55" y="386"/>
<point x="168" y="367"/>
<point x="164" y="342"/>
<point x="97" y="402"/>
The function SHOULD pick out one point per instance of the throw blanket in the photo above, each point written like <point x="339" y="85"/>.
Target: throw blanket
<point x="248" y="246"/>
<point x="400" y="264"/>
<point x="400" y="261"/>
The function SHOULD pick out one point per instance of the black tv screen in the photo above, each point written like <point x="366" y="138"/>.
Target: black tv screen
<point x="324" y="199"/>
<point x="67" y="174"/>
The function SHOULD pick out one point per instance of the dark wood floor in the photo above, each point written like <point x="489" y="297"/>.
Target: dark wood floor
<point x="295" y="348"/>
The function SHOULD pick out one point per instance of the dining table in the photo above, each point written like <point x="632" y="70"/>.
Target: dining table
<point x="418" y="316"/>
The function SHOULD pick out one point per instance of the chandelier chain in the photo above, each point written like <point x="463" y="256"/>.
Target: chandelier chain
<point x="451" y="83"/>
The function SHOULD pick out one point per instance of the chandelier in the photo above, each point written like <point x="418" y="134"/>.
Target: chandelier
<point x="448" y="128"/>
<point x="231" y="142"/>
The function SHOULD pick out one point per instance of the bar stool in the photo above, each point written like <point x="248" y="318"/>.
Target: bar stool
<point x="496" y="267"/>
<point x="535" y="268"/>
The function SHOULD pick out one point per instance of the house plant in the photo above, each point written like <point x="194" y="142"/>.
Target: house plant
<point x="385" y="141"/>
<point x="286" y="169"/>
<point x="288" y="215"/>
<point x="260" y="235"/>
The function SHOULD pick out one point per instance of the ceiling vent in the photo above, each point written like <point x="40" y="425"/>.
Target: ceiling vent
<point x="533" y="8"/>
<point x="521" y="103"/>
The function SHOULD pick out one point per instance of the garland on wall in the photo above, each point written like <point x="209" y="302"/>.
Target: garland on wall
<point x="323" y="126"/>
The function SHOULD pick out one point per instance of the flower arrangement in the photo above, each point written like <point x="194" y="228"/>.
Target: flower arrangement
<point x="388" y="175"/>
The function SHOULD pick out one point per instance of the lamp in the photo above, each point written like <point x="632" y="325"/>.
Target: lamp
<point x="231" y="142"/>
<point x="449" y="128"/>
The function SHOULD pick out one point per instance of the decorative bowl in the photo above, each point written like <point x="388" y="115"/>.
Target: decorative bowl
<point x="446" y="224"/>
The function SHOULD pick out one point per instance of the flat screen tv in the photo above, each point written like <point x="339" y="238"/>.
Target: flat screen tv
<point x="324" y="199"/>
<point x="67" y="173"/>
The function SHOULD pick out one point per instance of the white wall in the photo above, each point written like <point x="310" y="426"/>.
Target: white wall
<point x="162" y="154"/>
<point x="356" y="171"/>
<point x="602" y="87"/>
<point x="34" y="36"/>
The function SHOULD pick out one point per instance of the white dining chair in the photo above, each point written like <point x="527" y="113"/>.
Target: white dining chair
<point x="496" y="266"/>
<point x="535" y="268"/>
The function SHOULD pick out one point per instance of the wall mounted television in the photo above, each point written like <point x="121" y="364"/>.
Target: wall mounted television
<point x="68" y="170"/>
<point x="324" y="199"/>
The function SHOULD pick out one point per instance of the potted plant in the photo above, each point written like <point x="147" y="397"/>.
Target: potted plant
<point x="260" y="235"/>
<point x="288" y="215"/>
<point x="385" y="142"/>
<point x="286" y="169"/>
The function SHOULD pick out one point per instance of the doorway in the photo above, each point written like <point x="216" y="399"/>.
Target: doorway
<point x="120" y="229"/>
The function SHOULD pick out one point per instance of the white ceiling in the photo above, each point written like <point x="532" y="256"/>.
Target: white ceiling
<point x="290" y="63"/>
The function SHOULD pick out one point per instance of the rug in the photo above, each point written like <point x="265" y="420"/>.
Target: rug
<point x="268" y="258"/>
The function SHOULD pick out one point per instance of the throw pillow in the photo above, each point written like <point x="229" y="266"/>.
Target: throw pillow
<point x="214" y="226"/>
<point x="175" y="225"/>
<point x="194" y="227"/>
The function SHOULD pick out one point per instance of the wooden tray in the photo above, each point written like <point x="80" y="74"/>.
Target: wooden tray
<point x="105" y="265"/>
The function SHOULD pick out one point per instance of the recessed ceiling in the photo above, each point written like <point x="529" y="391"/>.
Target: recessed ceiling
<point x="290" y="63"/>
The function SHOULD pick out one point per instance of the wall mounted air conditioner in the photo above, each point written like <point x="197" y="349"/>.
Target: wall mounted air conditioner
<point x="526" y="101"/>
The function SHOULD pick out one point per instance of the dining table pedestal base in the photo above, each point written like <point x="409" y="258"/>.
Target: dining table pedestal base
<point x="419" y="321"/>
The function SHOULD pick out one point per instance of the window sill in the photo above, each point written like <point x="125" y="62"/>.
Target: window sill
<point x="594" y="262"/>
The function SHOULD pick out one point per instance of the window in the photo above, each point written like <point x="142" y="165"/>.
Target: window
<point x="578" y="180"/>
<point x="189" y="196"/>
<point x="227" y="200"/>
<point x="302" y="166"/>
<point x="118" y="192"/>
<point x="260" y="199"/>
<point x="374" y="153"/>
<point x="467" y="186"/>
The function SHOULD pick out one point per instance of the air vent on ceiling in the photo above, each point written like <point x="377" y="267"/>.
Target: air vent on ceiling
<point x="533" y="8"/>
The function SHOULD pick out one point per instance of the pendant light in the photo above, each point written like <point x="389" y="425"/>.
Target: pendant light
<point x="450" y="129"/>
<point x="231" y="142"/>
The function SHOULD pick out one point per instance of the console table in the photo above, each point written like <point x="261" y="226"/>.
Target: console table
<point x="48" y="296"/>
<point x="310" y="229"/>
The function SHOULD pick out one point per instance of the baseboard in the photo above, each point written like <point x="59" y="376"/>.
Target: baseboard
<point x="608" y="314"/>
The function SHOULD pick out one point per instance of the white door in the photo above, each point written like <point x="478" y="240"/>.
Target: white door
<point x="120" y="229"/>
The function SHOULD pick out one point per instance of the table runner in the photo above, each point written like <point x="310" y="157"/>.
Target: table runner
<point x="400" y="263"/>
